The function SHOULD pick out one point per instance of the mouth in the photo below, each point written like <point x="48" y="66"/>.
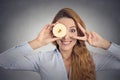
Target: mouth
<point x="66" y="42"/>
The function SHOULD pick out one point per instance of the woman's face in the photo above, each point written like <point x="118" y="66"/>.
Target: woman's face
<point x="67" y="42"/>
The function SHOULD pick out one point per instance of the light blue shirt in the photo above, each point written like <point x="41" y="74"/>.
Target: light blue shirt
<point x="50" y="65"/>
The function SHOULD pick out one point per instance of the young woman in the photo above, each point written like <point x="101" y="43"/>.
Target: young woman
<point x="71" y="60"/>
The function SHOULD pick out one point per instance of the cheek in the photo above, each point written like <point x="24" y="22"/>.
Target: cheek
<point x="74" y="41"/>
<point x="73" y="34"/>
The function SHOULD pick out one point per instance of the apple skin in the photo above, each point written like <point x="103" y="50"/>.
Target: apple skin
<point x="59" y="30"/>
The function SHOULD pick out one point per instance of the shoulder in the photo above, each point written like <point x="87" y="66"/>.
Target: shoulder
<point x="48" y="55"/>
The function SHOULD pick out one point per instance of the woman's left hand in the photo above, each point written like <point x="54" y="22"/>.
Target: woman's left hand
<point x="93" y="39"/>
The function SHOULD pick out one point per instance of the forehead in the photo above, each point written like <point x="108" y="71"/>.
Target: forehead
<point x="68" y="22"/>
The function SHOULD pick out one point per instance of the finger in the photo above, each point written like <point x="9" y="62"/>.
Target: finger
<point x="80" y="38"/>
<point x="95" y="34"/>
<point x="91" y="35"/>
<point x="43" y="29"/>
<point x="87" y="34"/>
<point x="46" y="26"/>
<point x="91" y="38"/>
<point x="81" y="28"/>
<point x="54" y="39"/>
<point x="50" y="26"/>
<point x="57" y="23"/>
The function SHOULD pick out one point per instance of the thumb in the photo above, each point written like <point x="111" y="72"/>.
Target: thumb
<point x="54" y="39"/>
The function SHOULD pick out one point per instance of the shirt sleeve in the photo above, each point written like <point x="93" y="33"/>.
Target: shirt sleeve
<point x="114" y="50"/>
<point x="110" y="60"/>
<point x="15" y="58"/>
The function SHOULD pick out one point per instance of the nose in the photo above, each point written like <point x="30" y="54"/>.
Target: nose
<point x="67" y="36"/>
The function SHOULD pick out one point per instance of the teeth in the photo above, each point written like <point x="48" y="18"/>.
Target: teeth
<point x="66" y="42"/>
<point x="59" y="30"/>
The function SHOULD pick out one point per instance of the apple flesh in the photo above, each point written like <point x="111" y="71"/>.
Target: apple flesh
<point x="59" y="30"/>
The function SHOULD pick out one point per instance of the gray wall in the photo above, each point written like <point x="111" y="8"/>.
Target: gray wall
<point x="21" y="20"/>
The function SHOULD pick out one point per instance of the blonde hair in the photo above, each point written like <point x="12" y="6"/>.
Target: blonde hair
<point x="83" y="67"/>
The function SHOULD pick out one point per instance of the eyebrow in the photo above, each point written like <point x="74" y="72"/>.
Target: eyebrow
<point x="72" y="27"/>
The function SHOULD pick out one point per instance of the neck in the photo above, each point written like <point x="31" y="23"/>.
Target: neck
<point x="66" y="55"/>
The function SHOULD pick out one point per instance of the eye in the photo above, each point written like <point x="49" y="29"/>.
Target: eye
<point x="72" y="30"/>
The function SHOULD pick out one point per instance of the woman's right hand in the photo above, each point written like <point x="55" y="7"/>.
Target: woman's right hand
<point x="44" y="37"/>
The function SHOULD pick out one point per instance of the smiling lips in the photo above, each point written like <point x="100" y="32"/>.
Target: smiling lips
<point x="66" y="42"/>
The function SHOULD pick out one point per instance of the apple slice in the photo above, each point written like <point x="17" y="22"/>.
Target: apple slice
<point x="59" y="30"/>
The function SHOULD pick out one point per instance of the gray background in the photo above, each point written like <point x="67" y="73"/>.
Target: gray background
<point x="22" y="20"/>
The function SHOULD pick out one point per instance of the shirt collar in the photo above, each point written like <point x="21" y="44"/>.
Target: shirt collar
<point x="58" y="53"/>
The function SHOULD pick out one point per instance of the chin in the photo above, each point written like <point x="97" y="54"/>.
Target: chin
<point x="66" y="48"/>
